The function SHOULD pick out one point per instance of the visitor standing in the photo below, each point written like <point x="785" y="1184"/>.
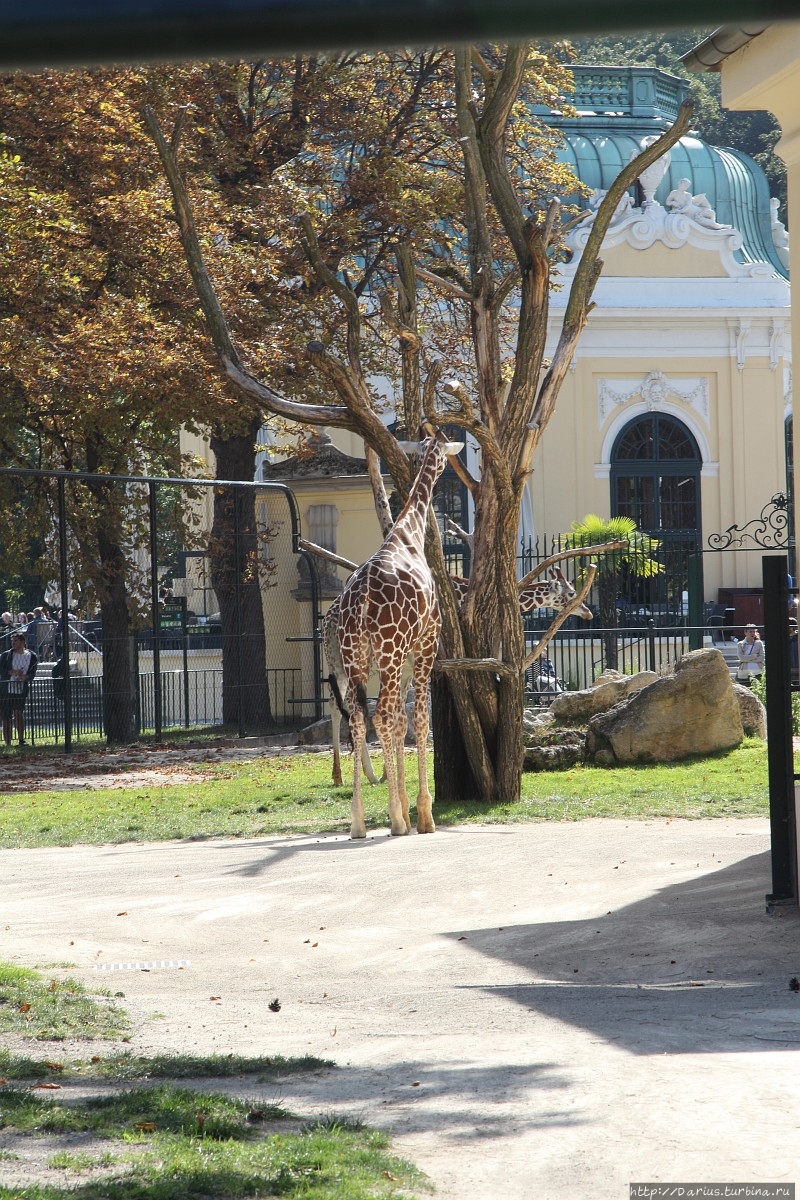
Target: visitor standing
<point x="17" y="669"/>
<point x="751" y="656"/>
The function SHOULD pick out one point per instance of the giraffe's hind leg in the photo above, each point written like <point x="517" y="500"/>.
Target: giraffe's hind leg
<point x="423" y="664"/>
<point x="336" y="727"/>
<point x="400" y="727"/>
<point x="385" y="724"/>
<point x="358" y="732"/>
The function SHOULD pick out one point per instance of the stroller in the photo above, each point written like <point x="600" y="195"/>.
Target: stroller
<point x="544" y="681"/>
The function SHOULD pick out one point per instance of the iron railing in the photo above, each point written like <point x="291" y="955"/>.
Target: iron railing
<point x="189" y="700"/>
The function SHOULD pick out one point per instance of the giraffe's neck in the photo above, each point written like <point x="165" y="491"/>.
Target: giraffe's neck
<point x="414" y="515"/>
<point x="541" y="596"/>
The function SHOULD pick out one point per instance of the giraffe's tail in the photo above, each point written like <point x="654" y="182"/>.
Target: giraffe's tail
<point x="337" y="696"/>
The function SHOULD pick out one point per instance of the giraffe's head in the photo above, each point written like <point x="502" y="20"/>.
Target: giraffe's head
<point x="554" y="591"/>
<point x="430" y="439"/>
<point x="433" y="450"/>
<point x="446" y="449"/>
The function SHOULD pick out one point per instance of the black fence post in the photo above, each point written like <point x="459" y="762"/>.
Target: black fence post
<point x="313" y="579"/>
<point x="64" y="584"/>
<point x="694" y="616"/>
<point x="237" y="544"/>
<point x="157" y="706"/>
<point x="651" y="642"/>
<point x="780" y="751"/>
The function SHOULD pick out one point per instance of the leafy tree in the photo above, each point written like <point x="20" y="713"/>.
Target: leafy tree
<point x="476" y="284"/>
<point x="634" y="557"/>
<point x="102" y="355"/>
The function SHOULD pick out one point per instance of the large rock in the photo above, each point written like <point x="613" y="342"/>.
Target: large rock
<point x="693" y="711"/>
<point x="554" y="757"/>
<point x="577" y="708"/>
<point x="752" y="712"/>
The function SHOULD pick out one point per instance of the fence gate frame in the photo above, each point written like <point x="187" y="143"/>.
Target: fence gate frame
<point x="780" y="746"/>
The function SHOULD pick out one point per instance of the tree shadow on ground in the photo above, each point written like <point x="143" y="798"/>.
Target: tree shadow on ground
<point x="696" y="967"/>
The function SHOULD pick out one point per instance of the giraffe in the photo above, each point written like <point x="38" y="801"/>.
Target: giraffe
<point x="387" y="611"/>
<point x="337" y="680"/>
<point x="554" y="591"/>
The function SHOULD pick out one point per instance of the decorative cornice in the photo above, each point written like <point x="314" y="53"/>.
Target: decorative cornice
<point x="325" y="462"/>
<point x="655" y="389"/>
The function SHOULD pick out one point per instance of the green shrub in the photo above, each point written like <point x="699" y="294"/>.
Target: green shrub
<point x="759" y="687"/>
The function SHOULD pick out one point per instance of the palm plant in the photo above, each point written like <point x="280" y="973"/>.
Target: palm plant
<point x="636" y="558"/>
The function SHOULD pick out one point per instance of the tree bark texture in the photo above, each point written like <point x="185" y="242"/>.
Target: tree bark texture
<point x="235" y="578"/>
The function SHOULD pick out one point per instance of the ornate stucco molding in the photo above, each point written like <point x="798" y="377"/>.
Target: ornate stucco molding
<point x="776" y="331"/>
<point x="655" y="390"/>
<point x="643" y="227"/>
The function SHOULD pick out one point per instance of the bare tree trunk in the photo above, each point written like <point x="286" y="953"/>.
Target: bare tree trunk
<point x="119" y="659"/>
<point x="234" y="536"/>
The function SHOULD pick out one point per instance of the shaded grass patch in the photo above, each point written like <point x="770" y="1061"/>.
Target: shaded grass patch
<point x="124" y="1067"/>
<point x="168" y="1143"/>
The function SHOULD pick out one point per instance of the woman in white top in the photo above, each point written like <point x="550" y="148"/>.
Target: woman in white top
<point x="17" y="669"/>
<point x="751" y="655"/>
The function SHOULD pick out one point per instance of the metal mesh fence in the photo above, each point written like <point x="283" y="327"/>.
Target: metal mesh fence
<point x="158" y="605"/>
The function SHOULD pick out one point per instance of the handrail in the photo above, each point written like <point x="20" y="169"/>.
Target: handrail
<point x="95" y="649"/>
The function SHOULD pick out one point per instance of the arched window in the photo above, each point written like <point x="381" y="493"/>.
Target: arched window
<point x="655" y="475"/>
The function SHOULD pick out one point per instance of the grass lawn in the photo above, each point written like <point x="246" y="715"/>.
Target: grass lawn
<point x="294" y="793"/>
<point x="147" y="1135"/>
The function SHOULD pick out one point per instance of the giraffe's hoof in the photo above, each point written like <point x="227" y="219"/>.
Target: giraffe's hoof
<point x="357" y="831"/>
<point x="400" y="830"/>
<point x="426" y="826"/>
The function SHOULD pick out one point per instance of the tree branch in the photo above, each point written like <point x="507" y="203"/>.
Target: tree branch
<point x="328" y="555"/>
<point x="445" y="284"/>
<point x="264" y="397"/>
<point x="329" y="278"/>
<point x="451" y="666"/>
<point x="563" y="555"/>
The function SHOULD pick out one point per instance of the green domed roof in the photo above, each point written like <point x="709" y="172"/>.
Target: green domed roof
<point x="618" y="107"/>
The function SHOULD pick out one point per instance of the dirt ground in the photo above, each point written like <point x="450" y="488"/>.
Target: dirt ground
<point x="131" y="766"/>
<point x="541" y="1011"/>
